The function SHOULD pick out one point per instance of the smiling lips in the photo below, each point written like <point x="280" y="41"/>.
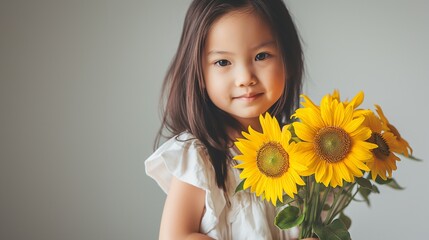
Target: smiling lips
<point x="248" y="97"/>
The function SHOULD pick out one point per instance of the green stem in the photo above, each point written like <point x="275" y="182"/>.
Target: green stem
<point x="336" y="196"/>
<point x="325" y="196"/>
<point x="304" y="209"/>
<point x="316" y="202"/>
<point x="349" y="200"/>
<point x="315" y="206"/>
<point x="309" y="206"/>
<point x="306" y="226"/>
<point x="342" y="203"/>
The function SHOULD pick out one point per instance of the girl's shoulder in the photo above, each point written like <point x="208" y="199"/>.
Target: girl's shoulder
<point x="185" y="140"/>
<point x="184" y="157"/>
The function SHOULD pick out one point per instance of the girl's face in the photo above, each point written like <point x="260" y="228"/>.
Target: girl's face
<point x="242" y="66"/>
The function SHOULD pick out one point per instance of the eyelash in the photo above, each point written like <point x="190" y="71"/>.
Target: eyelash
<point x="264" y="54"/>
<point x="224" y="62"/>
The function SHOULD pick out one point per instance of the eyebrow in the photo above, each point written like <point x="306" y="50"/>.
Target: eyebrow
<point x="264" y="44"/>
<point x="219" y="52"/>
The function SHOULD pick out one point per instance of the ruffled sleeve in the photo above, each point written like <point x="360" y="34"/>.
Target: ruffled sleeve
<point x="185" y="158"/>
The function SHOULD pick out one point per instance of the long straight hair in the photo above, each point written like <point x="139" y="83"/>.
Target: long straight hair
<point x="185" y="105"/>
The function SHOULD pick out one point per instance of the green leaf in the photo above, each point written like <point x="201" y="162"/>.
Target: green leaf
<point x="414" y="158"/>
<point x="240" y="186"/>
<point x="381" y="181"/>
<point x="346" y="220"/>
<point x="365" y="183"/>
<point x="286" y="200"/>
<point x="301" y="194"/>
<point x="288" y="217"/>
<point x="375" y="189"/>
<point x="393" y="184"/>
<point x="292" y="129"/>
<point x="389" y="182"/>
<point x="337" y="230"/>
<point x="364" y="192"/>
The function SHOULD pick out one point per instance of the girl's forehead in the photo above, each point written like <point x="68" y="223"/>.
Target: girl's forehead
<point x="245" y="14"/>
<point x="239" y="29"/>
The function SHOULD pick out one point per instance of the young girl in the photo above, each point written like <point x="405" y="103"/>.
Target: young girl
<point x="236" y="60"/>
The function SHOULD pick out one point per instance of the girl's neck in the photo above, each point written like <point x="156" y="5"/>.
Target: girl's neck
<point x="234" y="133"/>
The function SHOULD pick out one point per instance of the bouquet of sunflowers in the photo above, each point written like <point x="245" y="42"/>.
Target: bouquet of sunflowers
<point x="313" y="168"/>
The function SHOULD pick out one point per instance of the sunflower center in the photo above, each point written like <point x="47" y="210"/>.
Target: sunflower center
<point x="383" y="150"/>
<point x="332" y="144"/>
<point x="272" y="160"/>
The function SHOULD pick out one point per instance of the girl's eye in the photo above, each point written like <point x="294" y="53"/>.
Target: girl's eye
<point x="261" y="56"/>
<point x="223" y="63"/>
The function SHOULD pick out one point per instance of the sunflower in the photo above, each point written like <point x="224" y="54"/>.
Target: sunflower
<point x="356" y="102"/>
<point x="384" y="159"/>
<point x="335" y="96"/>
<point x="266" y="163"/>
<point x="334" y="141"/>
<point x="402" y="146"/>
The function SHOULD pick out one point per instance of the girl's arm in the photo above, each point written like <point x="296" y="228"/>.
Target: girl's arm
<point x="183" y="211"/>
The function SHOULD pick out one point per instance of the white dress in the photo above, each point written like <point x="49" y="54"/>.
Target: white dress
<point x="248" y="217"/>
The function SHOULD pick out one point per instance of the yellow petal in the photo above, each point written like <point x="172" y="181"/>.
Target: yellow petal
<point x="357" y="100"/>
<point x="304" y="132"/>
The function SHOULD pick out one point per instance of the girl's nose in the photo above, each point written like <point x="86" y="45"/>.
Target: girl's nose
<point x="245" y="77"/>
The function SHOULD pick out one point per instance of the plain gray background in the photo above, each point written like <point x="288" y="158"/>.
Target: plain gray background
<point x="79" y="90"/>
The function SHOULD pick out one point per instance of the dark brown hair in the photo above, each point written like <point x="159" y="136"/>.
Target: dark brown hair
<point x="185" y="103"/>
